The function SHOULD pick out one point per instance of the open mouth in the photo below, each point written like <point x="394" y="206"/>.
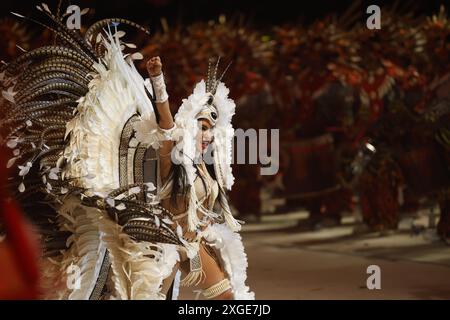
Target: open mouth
<point x="205" y="145"/>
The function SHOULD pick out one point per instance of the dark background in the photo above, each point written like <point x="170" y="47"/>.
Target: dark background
<point x="259" y="13"/>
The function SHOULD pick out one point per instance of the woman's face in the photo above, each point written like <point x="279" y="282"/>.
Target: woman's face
<point x="204" y="136"/>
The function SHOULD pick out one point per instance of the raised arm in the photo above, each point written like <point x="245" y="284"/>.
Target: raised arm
<point x="154" y="68"/>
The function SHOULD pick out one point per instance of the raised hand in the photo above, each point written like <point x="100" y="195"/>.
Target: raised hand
<point x="154" y="66"/>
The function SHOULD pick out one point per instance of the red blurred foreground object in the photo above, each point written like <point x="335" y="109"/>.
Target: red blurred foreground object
<point x="19" y="250"/>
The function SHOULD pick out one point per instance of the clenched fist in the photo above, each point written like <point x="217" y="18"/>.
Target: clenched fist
<point x="154" y="66"/>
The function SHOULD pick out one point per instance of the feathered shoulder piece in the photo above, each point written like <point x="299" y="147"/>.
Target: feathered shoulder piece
<point x="67" y="113"/>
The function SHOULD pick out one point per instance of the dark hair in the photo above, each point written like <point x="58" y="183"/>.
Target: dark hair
<point x="180" y="184"/>
<point x="178" y="176"/>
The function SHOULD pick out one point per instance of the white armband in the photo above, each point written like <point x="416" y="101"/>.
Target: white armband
<point x="166" y="134"/>
<point x="159" y="88"/>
